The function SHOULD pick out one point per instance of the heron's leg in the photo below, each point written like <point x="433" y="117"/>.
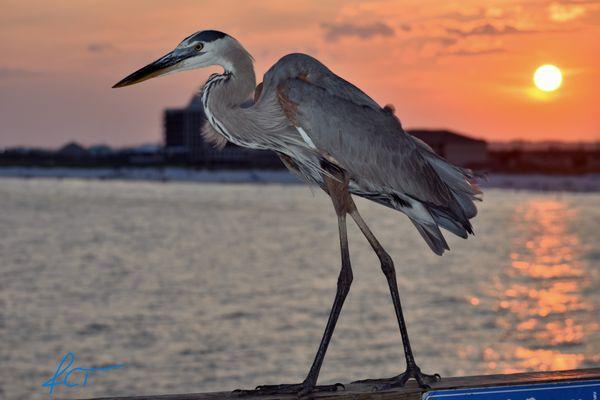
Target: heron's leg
<point x="343" y="287"/>
<point x="341" y="199"/>
<point x="387" y="266"/>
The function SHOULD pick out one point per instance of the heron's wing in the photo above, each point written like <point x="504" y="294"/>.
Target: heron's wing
<point x="346" y="127"/>
<point x="368" y="142"/>
<point x="307" y="68"/>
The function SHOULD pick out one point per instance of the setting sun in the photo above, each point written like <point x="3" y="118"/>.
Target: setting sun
<point x="547" y="78"/>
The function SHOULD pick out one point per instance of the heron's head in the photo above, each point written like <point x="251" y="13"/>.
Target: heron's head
<point x="202" y="49"/>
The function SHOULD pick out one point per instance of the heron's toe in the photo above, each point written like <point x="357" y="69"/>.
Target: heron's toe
<point x="423" y="380"/>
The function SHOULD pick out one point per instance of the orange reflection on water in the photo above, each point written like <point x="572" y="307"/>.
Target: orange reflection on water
<point x="546" y="360"/>
<point x="539" y="297"/>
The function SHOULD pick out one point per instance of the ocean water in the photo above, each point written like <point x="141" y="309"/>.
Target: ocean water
<point x="200" y="287"/>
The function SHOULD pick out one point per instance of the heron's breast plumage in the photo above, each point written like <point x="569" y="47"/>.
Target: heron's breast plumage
<point x="210" y="84"/>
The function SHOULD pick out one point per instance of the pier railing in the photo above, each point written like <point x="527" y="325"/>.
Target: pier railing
<point x="585" y="382"/>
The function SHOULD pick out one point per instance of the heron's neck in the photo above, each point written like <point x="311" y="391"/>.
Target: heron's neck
<point x="240" y="83"/>
<point x="223" y="96"/>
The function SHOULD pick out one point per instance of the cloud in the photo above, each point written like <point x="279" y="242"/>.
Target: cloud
<point x="471" y="53"/>
<point x="444" y="41"/>
<point x="463" y="17"/>
<point x="7" y="72"/>
<point x="488" y="30"/>
<point x="565" y="12"/>
<point x="99" y="47"/>
<point x="334" y="31"/>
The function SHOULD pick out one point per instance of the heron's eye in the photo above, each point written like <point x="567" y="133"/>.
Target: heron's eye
<point x="198" y="47"/>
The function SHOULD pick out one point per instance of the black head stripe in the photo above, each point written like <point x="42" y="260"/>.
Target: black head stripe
<point x="205" y="36"/>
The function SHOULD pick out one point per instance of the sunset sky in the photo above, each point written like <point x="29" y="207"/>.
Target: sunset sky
<point x="465" y="66"/>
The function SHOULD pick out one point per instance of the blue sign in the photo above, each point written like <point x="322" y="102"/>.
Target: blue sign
<point x="573" y="390"/>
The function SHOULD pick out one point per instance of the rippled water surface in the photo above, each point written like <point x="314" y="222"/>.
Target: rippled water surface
<point x="203" y="287"/>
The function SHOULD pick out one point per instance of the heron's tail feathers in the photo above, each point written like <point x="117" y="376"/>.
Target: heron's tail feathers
<point x="432" y="235"/>
<point x="448" y="222"/>
<point x="426" y="223"/>
<point x="427" y="218"/>
<point x="463" y="186"/>
<point x="455" y="216"/>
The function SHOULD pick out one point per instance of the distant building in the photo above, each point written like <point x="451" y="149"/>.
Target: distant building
<point x="456" y="148"/>
<point x="182" y="127"/>
<point x="72" y="150"/>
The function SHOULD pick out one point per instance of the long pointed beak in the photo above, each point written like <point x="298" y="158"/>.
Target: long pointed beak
<point x="167" y="63"/>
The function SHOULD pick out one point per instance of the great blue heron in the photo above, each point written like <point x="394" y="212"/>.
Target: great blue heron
<point x="330" y="133"/>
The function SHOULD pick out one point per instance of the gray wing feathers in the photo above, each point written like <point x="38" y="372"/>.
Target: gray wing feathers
<point x="369" y="144"/>
<point x="460" y="180"/>
<point x="386" y="164"/>
<point x="433" y="237"/>
<point x="297" y="65"/>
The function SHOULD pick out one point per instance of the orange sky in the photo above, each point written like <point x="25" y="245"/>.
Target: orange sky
<point x="465" y="66"/>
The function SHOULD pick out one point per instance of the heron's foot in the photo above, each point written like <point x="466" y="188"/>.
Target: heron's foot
<point x="412" y="371"/>
<point x="299" y="389"/>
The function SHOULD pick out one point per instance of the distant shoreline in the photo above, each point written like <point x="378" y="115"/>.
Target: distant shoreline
<point x="541" y="182"/>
